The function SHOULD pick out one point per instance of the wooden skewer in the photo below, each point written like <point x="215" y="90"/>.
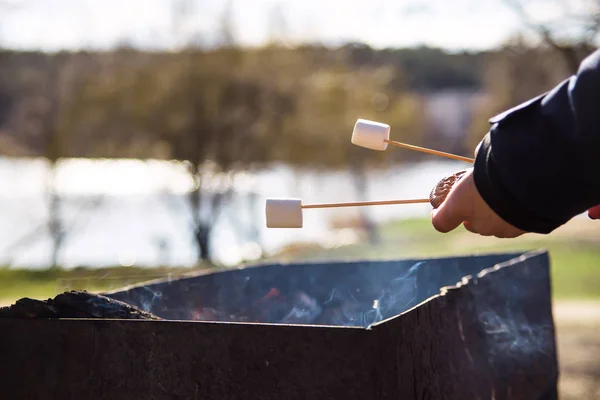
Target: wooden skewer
<point x="365" y="203"/>
<point x="430" y="151"/>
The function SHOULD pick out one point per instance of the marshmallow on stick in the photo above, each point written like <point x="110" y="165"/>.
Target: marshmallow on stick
<point x="284" y="213"/>
<point x="376" y="136"/>
<point x="287" y="213"/>
<point x="370" y="134"/>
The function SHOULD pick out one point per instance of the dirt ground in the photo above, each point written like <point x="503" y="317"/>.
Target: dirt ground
<point x="578" y="337"/>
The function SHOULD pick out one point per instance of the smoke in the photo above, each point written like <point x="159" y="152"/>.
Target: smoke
<point x="343" y="308"/>
<point x="515" y="327"/>
<point x="357" y="296"/>
<point x="513" y="335"/>
<point x="400" y="295"/>
<point x="305" y="310"/>
<point x="147" y="303"/>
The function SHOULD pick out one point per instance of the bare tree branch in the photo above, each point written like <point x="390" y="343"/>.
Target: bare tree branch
<point x="570" y="52"/>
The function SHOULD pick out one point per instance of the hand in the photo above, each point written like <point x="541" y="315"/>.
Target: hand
<point x="464" y="205"/>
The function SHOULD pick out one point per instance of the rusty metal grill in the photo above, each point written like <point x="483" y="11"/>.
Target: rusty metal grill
<point x="476" y="327"/>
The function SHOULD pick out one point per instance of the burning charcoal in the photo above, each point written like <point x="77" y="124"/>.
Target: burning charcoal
<point x="304" y="311"/>
<point x="342" y="309"/>
<point x="74" y="304"/>
<point x="203" y="314"/>
<point x="270" y="308"/>
<point x="334" y="315"/>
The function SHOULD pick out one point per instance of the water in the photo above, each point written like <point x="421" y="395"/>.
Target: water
<point x="131" y="212"/>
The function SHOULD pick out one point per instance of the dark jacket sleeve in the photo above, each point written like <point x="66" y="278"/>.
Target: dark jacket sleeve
<point x="539" y="166"/>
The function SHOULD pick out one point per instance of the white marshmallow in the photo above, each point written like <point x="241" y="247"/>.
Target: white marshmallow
<point x="371" y="134"/>
<point x="284" y="213"/>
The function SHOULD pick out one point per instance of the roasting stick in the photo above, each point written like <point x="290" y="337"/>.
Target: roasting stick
<point x="365" y="203"/>
<point x="376" y="136"/>
<point x="430" y="151"/>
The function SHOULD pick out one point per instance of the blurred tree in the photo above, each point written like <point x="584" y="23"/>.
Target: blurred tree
<point x="111" y="111"/>
<point x="218" y="122"/>
<point x="7" y="88"/>
<point x="330" y="97"/>
<point x="7" y="85"/>
<point x="513" y="75"/>
<point x="219" y="111"/>
<point x="431" y="69"/>
<point x="207" y="109"/>
<point x="329" y="102"/>
<point x="573" y="35"/>
<point x="519" y="70"/>
<point x="426" y="68"/>
<point x="37" y="118"/>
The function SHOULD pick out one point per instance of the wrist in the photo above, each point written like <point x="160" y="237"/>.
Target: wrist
<point x="494" y="190"/>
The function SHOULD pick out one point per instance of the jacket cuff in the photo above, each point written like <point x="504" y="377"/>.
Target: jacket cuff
<point x="498" y="197"/>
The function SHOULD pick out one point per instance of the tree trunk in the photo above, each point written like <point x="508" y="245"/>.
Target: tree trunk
<point x="55" y="225"/>
<point x="202" y="236"/>
<point x="202" y="228"/>
<point x="361" y="180"/>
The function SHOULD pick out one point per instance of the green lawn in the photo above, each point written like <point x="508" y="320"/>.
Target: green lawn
<point x="42" y="284"/>
<point x="574" y="251"/>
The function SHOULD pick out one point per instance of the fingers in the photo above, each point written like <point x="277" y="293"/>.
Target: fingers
<point x="444" y="219"/>
<point x="488" y="224"/>
<point x="501" y="232"/>
<point x="468" y="227"/>
<point x="464" y="205"/>
<point x="451" y="213"/>
<point x="480" y="228"/>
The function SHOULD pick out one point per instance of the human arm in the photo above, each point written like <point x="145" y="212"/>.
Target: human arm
<point x="539" y="165"/>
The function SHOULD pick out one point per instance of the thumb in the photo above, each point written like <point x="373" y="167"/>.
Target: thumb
<point x="450" y="214"/>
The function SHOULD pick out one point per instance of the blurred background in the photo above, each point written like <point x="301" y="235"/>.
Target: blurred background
<point x="140" y="139"/>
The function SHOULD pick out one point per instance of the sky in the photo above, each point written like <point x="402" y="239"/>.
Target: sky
<point x="451" y="24"/>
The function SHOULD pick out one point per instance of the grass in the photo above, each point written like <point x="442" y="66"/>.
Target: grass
<point x="42" y="284"/>
<point x="574" y="251"/>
